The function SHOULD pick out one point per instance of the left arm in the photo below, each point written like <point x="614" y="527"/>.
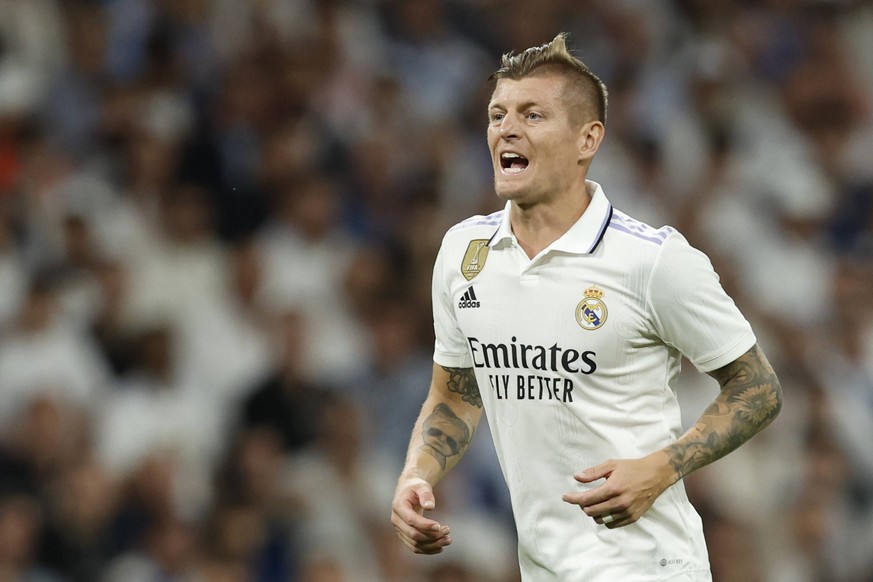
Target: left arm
<point x="750" y="399"/>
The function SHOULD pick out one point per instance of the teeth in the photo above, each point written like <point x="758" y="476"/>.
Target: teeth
<point x="510" y="165"/>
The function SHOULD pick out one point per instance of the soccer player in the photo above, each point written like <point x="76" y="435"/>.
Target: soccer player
<point x="566" y="320"/>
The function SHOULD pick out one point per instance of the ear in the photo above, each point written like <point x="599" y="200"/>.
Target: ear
<point x="590" y="136"/>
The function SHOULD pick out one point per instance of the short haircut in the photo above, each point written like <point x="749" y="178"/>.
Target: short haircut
<point x="555" y="57"/>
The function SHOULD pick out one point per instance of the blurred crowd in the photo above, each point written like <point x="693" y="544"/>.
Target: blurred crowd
<point x="217" y="226"/>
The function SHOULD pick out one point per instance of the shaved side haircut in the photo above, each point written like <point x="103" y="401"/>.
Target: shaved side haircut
<point x="584" y="91"/>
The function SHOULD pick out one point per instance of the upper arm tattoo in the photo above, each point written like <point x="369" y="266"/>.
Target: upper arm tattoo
<point x="463" y="381"/>
<point x="750" y="399"/>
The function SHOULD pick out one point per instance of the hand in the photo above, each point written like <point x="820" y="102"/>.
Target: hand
<point x="420" y="534"/>
<point x="630" y="489"/>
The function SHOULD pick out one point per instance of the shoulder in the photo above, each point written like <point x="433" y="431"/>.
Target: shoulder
<point x="479" y="222"/>
<point x="467" y="244"/>
<point x="476" y="228"/>
<point x="635" y="231"/>
<point x="647" y="248"/>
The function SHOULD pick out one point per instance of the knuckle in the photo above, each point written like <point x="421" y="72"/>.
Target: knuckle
<point x="423" y="537"/>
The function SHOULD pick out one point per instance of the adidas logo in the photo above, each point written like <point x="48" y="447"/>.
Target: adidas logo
<point x="468" y="299"/>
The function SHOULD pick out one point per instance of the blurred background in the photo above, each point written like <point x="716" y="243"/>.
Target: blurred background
<point x="217" y="225"/>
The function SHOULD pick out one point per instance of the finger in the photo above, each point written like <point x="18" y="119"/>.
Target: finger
<point x="418" y="528"/>
<point x="604" y="508"/>
<point x="620" y="521"/>
<point x="416" y="537"/>
<point x="594" y="473"/>
<point x="405" y="510"/>
<point x="406" y="516"/>
<point x="608" y="518"/>
<point x="600" y="514"/>
<point x="613" y="520"/>
<point x="417" y="521"/>
<point x="583" y="499"/>
<point x="426" y="498"/>
<point x="421" y="495"/>
<point x="598" y="495"/>
<point x="426" y="546"/>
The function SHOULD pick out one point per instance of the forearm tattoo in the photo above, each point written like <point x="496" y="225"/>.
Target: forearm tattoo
<point x="445" y="435"/>
<point x="750" y="399"/>
<point x="463" y="381"/>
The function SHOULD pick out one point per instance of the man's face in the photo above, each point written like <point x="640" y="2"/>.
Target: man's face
<point x="445" y="435"/>
<point x="534" y="143"/>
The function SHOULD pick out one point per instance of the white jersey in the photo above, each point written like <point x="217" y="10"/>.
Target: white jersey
<point x="577" y="354"/>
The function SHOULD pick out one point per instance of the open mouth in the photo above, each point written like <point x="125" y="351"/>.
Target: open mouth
<point x="513" y="163"/>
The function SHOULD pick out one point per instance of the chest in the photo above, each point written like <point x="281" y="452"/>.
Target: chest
<point x="554" y="314"/>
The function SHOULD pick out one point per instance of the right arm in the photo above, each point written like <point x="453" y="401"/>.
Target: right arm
<point x="441" y="436"/>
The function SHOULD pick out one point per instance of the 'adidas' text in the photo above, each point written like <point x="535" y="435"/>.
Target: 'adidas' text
<point x="468" y="299"/>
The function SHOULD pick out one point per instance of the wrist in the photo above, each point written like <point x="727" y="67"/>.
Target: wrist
<point x="422" y="467"/>
<point x="668" y="471"/>
<point x="415" y="475"/>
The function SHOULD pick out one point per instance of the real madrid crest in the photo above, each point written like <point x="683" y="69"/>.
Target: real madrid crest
<point x="591" y="311"/>
<point x="474" y="258"/>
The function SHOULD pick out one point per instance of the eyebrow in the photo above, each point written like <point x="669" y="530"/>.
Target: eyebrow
<point x="522" y="106"/>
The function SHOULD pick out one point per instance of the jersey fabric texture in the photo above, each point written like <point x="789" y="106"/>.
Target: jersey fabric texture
<point x="577" y="354"/>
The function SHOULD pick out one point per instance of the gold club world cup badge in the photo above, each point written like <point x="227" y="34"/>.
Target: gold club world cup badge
<point x="474" y="258"/>
<point x="591" y="311"/>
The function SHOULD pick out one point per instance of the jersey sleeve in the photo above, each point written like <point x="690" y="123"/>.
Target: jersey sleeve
<point x="691" y="311"/>
<point x="450" y="345"/>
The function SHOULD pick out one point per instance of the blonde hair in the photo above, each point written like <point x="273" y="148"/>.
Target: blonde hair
<point x="555" y="57"/>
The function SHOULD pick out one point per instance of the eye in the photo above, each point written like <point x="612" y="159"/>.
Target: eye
<point x="496" y="116"/>
<point x="533" y="116"/>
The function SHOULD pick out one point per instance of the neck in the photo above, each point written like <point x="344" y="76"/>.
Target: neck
<point x="539" y="225"/>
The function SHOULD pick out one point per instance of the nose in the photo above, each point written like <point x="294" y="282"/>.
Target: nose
<point x="509" y="128"/>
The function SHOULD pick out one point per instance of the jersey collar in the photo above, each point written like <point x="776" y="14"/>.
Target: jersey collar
<point x="583" y="237"/>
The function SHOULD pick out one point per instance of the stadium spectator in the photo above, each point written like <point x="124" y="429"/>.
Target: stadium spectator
<point x="202" y="169"/>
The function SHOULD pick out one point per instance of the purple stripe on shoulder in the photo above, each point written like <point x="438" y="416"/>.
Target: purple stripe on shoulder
<point x="620" y="226"/>
<point x="490" y="220"/>
<point x="635" y="226"/>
